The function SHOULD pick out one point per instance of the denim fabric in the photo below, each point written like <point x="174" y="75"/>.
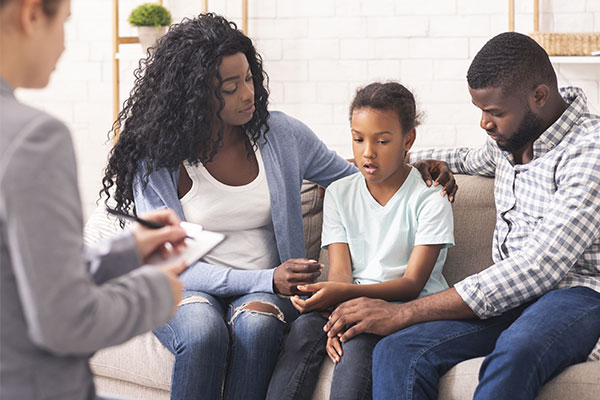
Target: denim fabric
<point x="524" y="348"/>
<point x="303" y="351"/>
<point x="221" y="350"/>
<point x="352" y="375"/>
<point x="297" y="369"/>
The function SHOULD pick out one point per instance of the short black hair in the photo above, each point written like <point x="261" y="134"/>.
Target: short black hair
<point x="389" y="96"/>
<point x="511" y="61"/>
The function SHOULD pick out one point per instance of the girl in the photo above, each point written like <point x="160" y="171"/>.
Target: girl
<point x="387" y="234"/>
<point x="197" y="136"/>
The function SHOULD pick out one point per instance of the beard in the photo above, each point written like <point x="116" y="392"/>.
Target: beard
<point x="529" y="129"/>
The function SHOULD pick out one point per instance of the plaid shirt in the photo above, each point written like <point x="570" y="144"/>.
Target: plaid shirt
<point x="547" y="232"/>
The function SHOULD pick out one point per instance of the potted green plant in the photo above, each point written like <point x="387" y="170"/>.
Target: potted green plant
<point x="152" y="21"/>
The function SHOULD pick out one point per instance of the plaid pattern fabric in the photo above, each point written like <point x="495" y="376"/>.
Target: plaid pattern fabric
<point x="547" y="232"/>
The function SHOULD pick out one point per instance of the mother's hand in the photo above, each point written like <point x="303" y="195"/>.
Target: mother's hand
<point x="438" y="173"/>
<point x="294" y="272"/>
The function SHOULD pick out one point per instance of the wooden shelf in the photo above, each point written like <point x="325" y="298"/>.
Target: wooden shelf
<point x="128" y="39"/>
<point x="575" y="59"/>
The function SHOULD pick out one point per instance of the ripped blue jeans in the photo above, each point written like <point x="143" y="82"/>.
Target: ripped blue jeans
<point x="221" y="348"/>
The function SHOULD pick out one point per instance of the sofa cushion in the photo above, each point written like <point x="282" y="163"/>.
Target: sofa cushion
<point x="579" y="381"/>
<point x="474" y="221"/>
<point x="142" y="360"/>
<point x="101" y="226"/>
<point x="107" y="388"/>
<point x="312" y="218"/>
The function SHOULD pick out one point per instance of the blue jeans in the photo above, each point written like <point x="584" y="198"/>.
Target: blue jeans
<point x="524" y="348"/>
<point x="303" y="351"/>
<point x="223" y="350"/>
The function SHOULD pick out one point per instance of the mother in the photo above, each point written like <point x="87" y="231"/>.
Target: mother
<point x="197" y="137"/>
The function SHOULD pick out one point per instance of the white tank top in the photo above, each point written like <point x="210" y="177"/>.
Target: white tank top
<point x="241" y="213"/>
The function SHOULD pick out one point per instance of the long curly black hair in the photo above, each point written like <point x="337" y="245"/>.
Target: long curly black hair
<point x="167" y="118"/>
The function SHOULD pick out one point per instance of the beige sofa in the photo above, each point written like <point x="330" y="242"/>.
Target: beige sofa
<point x="141" y="368"/>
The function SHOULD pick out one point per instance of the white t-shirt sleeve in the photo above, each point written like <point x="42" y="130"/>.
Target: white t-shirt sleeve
<point x="435" y="220"/>
<point x="333" y="228"/>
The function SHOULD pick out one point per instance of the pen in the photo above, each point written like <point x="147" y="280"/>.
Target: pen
<point x="141" y="221"/>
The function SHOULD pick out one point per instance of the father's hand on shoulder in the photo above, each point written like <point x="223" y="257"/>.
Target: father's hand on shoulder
<point x="294" y="272"/>
<point x="435" y="172"/>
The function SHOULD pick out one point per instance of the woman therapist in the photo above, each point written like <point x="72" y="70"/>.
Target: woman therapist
<point x="59" y="302"/>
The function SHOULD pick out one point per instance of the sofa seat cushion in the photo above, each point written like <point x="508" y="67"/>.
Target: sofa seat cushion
<point x="142" y="360"/>
<point x="579" y="381"/>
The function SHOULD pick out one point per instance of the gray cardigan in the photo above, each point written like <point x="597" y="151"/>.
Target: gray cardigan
<point x="58" y="302"/>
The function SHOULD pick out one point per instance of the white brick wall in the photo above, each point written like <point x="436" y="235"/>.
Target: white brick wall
<point x="316" y="53"/>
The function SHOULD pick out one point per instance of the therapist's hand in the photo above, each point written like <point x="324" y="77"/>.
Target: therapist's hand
<point x="150" y="241"/>
<point x="294" y="272"/>
<point x="435" y="172"/>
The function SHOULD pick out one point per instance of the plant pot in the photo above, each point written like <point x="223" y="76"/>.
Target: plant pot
<point x="149" y="35"/>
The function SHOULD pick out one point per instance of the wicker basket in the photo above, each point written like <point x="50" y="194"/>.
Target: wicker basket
<point x="568" y="44"/>
<point x="558" y="44"/>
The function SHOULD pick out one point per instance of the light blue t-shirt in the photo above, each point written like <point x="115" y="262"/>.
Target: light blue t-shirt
<point x="381" y="238"/>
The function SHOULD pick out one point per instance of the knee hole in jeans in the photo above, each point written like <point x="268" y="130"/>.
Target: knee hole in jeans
<point x="193" y="299"/>
<point x="260" y="307"/>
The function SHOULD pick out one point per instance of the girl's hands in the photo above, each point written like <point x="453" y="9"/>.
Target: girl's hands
<point x="325" y="294"/>
<point x="334" y="349"/>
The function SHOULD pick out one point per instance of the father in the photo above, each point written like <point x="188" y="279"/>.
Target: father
<point x="536" y="310"/>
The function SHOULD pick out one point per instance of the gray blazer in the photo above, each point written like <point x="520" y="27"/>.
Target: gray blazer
<point x="58" y="302"/>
